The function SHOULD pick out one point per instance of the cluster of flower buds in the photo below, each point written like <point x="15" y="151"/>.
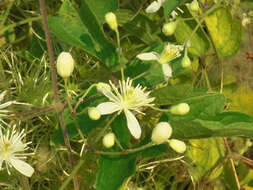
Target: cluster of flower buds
<point x="161" y="134"/>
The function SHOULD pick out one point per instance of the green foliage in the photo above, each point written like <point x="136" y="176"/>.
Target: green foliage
<point x="113" y="171"/>
<point x="169" y="6"/>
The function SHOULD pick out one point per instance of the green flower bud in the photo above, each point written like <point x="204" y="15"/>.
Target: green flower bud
<point x="194" y="6"/>
<point x="180" y="109"/>
<point x="111" y="20"/>
<point x="94" y="113"/>
<point x="169" y="28"/>
<point x="177" y="145"/>
<point x="103" y="87"/>
<point x="109" y="140"/>
<point x="161" y="133"/>
<point x="186" y="62"/>
<point x="65" y="64"/>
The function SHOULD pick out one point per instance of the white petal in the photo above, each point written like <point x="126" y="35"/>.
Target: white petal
<point x="167" y="71"/>
<point x="154" y="6"/>
<point x="22" y="167"/>
<point x="133" y="124"/>
<point x="108" y="108"/>
<point x="148" y="56"/>
<point x="6" y="104"/>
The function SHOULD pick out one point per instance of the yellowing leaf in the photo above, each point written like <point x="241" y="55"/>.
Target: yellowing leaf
<point x="225" y="32"/>
<point x="205" y="154"/>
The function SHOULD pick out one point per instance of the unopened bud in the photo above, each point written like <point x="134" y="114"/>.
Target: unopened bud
<point x="180" y="109"/>
<point x="186" y="62"/>
<point x="161" y="133"/>
<point x="103" y="87"/>
<point x="169" y="28"/>
<point x="109" y="140"/>
<point x="94" y="113"/>
<point x="177" y="145"/>
<point x="65" y="64"/>
<point x="111" y="20"/>
<point x="194" y="6"/>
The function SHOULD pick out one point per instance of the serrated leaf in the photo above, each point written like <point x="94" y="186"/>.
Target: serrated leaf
<point x="204" y="154"/>
<point x="225" y="32"/>
<point x="198" y="41"/>
<point x="114" y="170"/>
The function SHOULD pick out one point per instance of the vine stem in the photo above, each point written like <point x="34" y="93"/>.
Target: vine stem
<point x="55" y="87"/>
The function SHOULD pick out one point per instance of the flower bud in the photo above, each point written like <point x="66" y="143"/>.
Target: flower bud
<point x="169" y="28"/>
<point x="109" y="140"/>
<point x="180" y="109"/>
<point x="103" y="87"/>
<point x="161" y="133"/>
<point x="177" y="145"/>
<point x="186" y="62"/>
<point x="65" y="64"/>
<point x="94" y="113"/>
<point x="194" y="6"/>
<point x="111" y="20"/>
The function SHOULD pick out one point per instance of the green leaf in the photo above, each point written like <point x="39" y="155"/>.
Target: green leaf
<point x="69" y="28"/>
<point x="229" y="177"/>
<point x="198" y="41"/>
<point x="101" y="7"/>
<point x="169" y="6"/>
<point x="205" y="155"/>
<point x="124" y="16"/>
<point x="107" y="52"/>
<point x="114" y="170"/>
<point x="143" y="28"/>
<point x="225" y="32"/>
<point x="119" y="127"/>
<point x="187" y="129"/>
<point x="205" y="105"/>
<point x="228" y="124"/>
<point x="173" y="94"/>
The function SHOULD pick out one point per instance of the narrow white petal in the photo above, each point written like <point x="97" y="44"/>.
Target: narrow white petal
<point x="133" y="124"/>
<point x="153" y="7"/>
<point x="148" y="56"/>
<point x="22" y="167"/>
<point x="167" y="71"/>
<point x="6" y="104"/>
<point x="108" y="108"/>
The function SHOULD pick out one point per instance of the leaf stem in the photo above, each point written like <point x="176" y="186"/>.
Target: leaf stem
<point x="125" y="152"/>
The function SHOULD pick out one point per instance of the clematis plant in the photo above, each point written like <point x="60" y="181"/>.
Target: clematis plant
<point x="169" y="53"/>
<point x="128" y="99"/>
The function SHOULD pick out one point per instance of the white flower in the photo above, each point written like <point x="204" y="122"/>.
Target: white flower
<point x="11" y="152"/>
<point x="127" y="99"/>
<point x="169" y="53"/>
<point x="154" y="6"/>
